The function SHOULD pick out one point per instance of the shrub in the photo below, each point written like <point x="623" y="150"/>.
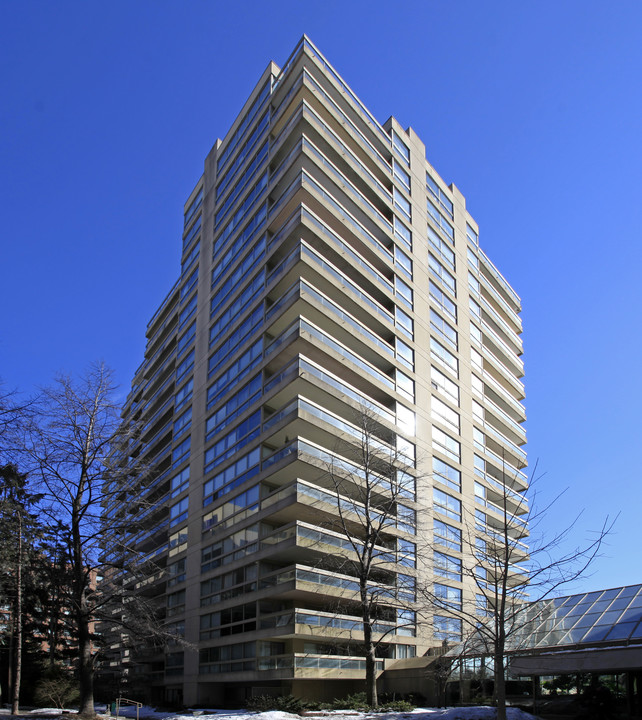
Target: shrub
<point x="58" y="690"/>
<point x="285" y="703"/>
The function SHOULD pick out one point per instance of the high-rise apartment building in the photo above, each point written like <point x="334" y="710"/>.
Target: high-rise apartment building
<point x="328" y="275"/>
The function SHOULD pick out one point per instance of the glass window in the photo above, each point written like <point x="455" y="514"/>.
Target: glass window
<point x="447" y="280"/>
<point x="446" y="535"/>
<point x="446" y="474"/>
<point x="181" y="452"/>
<point x="405" y="354"/>
<point x="179" y="482"/>
<point x="444" y="302"/>
<point x="400" y="175"/>
<point x="448" y="596"/>
<point x="442" y="442"/>
<point x="473" y="260"/>
<point x="443" y="329"/>
<point x="447" y="566"/>
<point x="475" y="308"/>
<point x="444" y="385"/>
<point x="446" y="504"/>
<point x="178" y="512"/>
<point x="182" y="423"/>
<point x="440" y="412"/>
<point x="473" y="283"/>
<point x="405" y="385"/>
<point x="403" y="262"/>
<point x="440" y="221"/>
<point x="406" y="419"/>
<point x="400" y="148"/>
<point x="441" y="247"/>
<point x="404" y="292"/>
<point x="184" y="395"/>
<point x="440" y="195"/>
<point x="447" y="628"/>
<point x="402" y="233"/>
<point x="439" y="353"/>
<point x="475" y="334"/>
<point x="401" y="203"/>
<point x="472" y="235"/>
<point x="403" y="321"/>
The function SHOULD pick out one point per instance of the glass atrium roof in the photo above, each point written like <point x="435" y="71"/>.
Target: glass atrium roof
<point x="598" y="617"/>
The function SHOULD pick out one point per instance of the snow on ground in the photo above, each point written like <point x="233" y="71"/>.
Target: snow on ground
<point x="148" y="713"/>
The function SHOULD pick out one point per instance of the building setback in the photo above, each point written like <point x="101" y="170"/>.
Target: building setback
<point x="328" y="275"/>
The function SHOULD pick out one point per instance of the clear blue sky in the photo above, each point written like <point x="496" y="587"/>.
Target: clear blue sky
<point x="533" y="109"/>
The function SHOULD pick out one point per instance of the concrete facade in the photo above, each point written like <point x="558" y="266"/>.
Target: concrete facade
<point x="327" y="271"/>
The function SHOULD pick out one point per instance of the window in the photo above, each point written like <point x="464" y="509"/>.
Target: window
<point x="440" y="221"/>
<point x="403" y="321"/>
<point x="446" y="535"/>
<point x="476" y="359"/>
<point x="178" y="512"/>
<point x="477" y="385"/>
<point x="404" y="292"/>
<point x="405" y="385"/>
<point x="400" y="148"/>
<point x="441" y="247"/>
<point x="473" y="283"/>
<point x="181" y="452"/>
<point x="440" y="412"/>
<point x="183" y="423"/>
<point x="479" y="438"/>
<point x="447" y="566"/>
<point x="403" y="262"/>
<point x="444" y="357"/>
<point x="445" y="444"/>
<point x="447" y="628"/>
<point x="446" y="474"/>
<point x="480" y="469"/>
<point x="448" y="597"/>
<point x="444" y="385"/>
<point x="406" y="419"/>
<point x="401" y="203"/>
<point x="189" y="284"/>
<point x="473" y="260"/>
<point x="176" y="572"/>
<point x="443" y="329"/>
<point x="400" y="175"/>
<point x="185" y="365"/>
<point x="194" y="231"/>
<point x="475" y="334"/>
<point x="402" y="233"/>
<point x="481" y="605"/>
<point x="475" y="308"/>
<point x="447" y="280"/>
<point x="187" y="312"/>
<point x="176" y="602"/>
<point x="179" y="482"/>
<point x="193" y="207"/>
<point x="472" y="236"/>
<point x="439" y="195"/>
<point x="446" y="504"/>
<point x="187" y="338"/>
<point x="184" y="395"/>
<point x="442" y="300"/>
<point x="405" y="354"/>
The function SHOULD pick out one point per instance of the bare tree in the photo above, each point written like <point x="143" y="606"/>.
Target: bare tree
<point x="509" y="578"/>
<point x="372" y="479"/>
<point x="78" y="448"/>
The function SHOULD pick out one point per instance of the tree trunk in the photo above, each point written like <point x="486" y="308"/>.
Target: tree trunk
<point x="500" y="686"/>
<point x="17" y="645"/>
<point x="369" y="648"/>
<point x="85" y="670"/>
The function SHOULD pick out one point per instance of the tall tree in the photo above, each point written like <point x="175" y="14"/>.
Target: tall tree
<point x="77" y="447"/>
<point x="19" y="533"/>
<point x="373" y="484"/>
<point x="509" y="577"/>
